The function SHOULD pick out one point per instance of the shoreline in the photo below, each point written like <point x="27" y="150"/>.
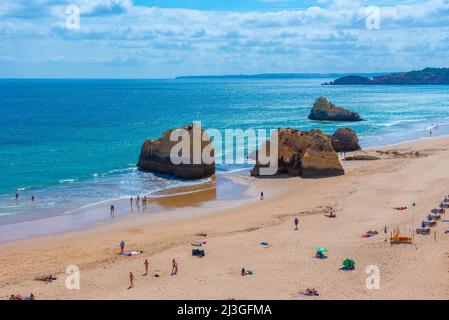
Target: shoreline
<point x="100" y="209"/>
<point x="363" y="199"/>
<point x="197" y="196"/>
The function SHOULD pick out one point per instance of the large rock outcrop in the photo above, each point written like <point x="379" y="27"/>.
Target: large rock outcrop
<point x="155" y="156"/>
<point x="345" y="140"/>
<point x="307" y="154"/>
<point x="324" y="110"/>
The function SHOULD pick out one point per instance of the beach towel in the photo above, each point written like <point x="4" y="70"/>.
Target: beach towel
<point x="347" y="269"/>
<point x="198" y="253"/>
<point x="131" y="253"/>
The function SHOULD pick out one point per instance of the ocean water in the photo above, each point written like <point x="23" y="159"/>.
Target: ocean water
<point x="72" y="143"/>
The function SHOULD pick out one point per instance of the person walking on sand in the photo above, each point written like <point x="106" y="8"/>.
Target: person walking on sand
<point x="131" y="280"/>
<point x="174" y="268"/>
<point x="112" y="211"/>
<point x="296" y="223"/>
<point x="261" y="195"/>
<point x="131" y="201"/>
<point x="122" y="247"/>
<point x="146" y="264"/>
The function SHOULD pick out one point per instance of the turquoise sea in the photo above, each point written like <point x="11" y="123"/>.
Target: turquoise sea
<point x="72" y="143"/>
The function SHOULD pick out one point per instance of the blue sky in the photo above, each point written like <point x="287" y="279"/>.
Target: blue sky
<point x="167" y="38"/>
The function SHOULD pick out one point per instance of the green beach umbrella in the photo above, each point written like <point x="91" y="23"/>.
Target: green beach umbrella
<point x="321" y="250"/>
<point x="348" y="263"/>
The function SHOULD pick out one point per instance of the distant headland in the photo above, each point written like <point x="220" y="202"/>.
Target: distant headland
<point x="427" y="76"/>
<point x="280" y="76"/>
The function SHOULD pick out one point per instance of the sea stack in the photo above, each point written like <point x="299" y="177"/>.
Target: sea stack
<point x="308" y="154"/>
<point x="345" y="140"/>
<point x="155" y="156"/>
<point x="324" y="110"/>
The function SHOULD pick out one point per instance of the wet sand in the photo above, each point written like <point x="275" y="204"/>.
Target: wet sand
<point x="363" y="200"/>
<point x="219" y="190"/>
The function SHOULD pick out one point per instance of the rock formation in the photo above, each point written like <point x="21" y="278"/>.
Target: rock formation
<point x="303" y="153"/>
<point x="324" y="110"/>
<point x="345" y="140"/>
<point x="155" y="156"/>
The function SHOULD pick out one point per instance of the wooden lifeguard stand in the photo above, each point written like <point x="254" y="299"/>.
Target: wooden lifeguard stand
<point x="397" y="238"/>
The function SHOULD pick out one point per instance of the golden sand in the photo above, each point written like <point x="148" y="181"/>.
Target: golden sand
<point x="363" y="200"/>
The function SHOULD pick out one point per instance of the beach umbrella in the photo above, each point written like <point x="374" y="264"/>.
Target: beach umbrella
<point x="321" y="250"/>
<point x="348" y="263"/>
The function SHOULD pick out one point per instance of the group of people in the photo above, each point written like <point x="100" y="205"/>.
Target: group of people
<point x="18" y="196"/>
<point x="146" y="264"/>
<point x="138" y="200"/>
<point x="19" y="297"/>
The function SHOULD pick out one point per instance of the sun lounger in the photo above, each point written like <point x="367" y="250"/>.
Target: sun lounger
<point x="396" y="238"/>
<point x="423" y="231"/>
<point x="429" y="224"/>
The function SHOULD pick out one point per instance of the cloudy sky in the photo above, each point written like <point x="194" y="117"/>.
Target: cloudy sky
<point x="167" y="38"/>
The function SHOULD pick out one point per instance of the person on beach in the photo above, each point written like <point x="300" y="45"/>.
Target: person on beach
<point x="32" y="198"/>
<point x="138" y="199"/>
<point x="112" y="211"/>
<point x="261" y="195"/>
<point x="17" y="194"/>
<point x="131" y="201"/>
<point x="243" y="273"/>
<point x="174" y="268"/>
<point x="146" y="264"/>
<point x="131" y="280"/>
<point x="122" y="247"/>
<point x="430" y="132"/>
<point x="296" y="223"/>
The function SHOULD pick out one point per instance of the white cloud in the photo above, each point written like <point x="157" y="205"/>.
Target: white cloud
<point x="322" y="38"/>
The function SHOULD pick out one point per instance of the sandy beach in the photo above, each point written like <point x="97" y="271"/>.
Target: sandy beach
<point x="363" y="200"/>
